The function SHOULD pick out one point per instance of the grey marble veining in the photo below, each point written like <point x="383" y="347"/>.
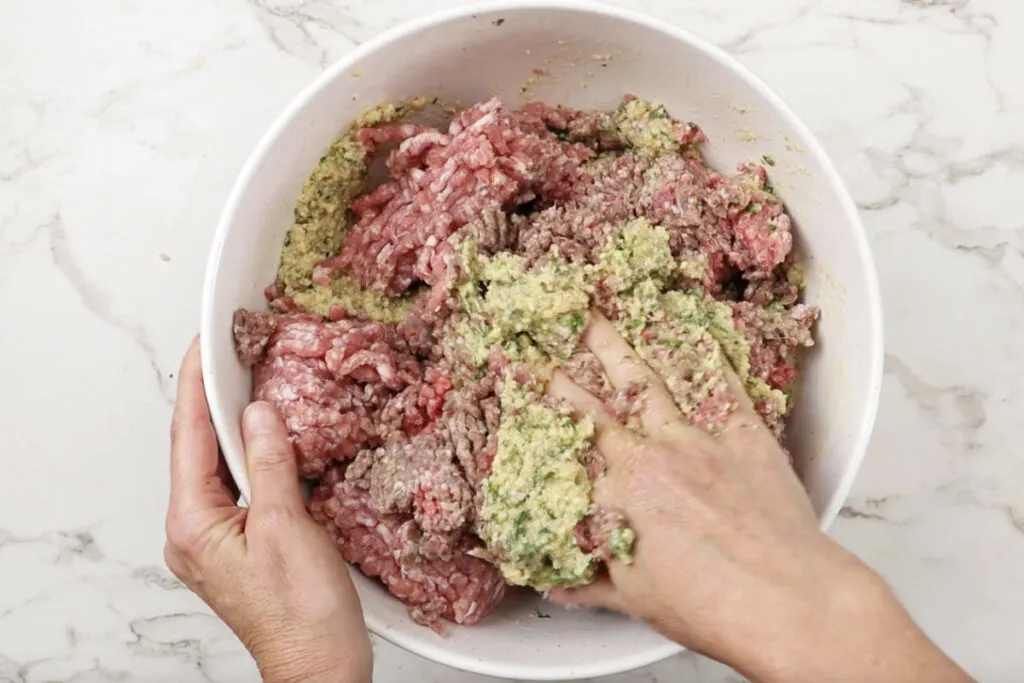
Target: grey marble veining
<point x="123" y="124"/>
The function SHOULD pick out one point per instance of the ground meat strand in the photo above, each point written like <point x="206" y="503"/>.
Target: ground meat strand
<point x="775" y="336"/>
<point x="377" y="136"/>
<point x="472" y="414"/>
<point x="418" y="477"/>
<point x="587" y="372"/>
<point x="330" y="381"/>
<point x="447" y="582"/>
<point x="491" y="158"/>
<point x="251" y="330"/>
<point x="593" y="534"/>
<point x="494" y="231"/>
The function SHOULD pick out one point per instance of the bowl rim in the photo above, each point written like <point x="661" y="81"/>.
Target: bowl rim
<point x="390" y="36"/>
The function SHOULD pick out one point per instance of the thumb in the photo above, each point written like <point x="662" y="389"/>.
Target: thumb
<point x="273" y="474"/>
<point x="601" y="593"/>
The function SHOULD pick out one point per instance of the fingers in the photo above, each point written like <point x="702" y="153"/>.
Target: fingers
<point x="195" y="459"/>
<point x="744" y="405"/>
<point x="601" y="593"/>
<point x="744" y="427"/>
<point x="273" y="473"/>
<point x="224" y="474"/>
<point x="583" y="401"/>
<point x="625" y="368"/>
<point x="614" y="442"/>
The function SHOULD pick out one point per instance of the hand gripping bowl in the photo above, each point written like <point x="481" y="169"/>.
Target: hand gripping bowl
<point x="586" y="56"/>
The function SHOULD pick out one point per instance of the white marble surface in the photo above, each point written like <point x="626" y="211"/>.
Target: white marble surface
<point x="123" y="124"/>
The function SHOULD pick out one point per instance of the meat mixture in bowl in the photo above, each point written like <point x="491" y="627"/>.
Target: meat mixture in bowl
<point x="413" y="326"/>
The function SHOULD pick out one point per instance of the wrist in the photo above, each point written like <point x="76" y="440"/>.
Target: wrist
<point x="824" y="630"/>
<point x="337" y="662"/>
<point x="854" y="628"/>
<point x="328" y="671"/>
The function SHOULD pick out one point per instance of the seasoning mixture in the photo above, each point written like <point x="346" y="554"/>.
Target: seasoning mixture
<point x="413" y="326"/>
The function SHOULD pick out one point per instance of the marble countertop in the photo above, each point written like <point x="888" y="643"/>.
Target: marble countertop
<point x="123" y="124"/>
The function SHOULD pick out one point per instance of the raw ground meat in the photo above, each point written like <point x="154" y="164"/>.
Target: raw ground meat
<point x="401" y="511"/>
<point x="775" y="336"/>
<point x="472" y="414"/>
<point x="419" y="477"/>
<point x="490" y="158"/>
<point x="398" y="428"/>
<point x="587" y="372"/>
<point x="252" y="330"/>
<point x="417" y="407"/>
<point x="593" y="534"/>
<point x="435" y="576"/>
<point x="332" y="381"/>
<point x="735" y="221"/>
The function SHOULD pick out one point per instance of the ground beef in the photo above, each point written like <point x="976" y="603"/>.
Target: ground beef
<point x="252" y="330"/>
<point x="418" y="477"/>
<point x="404" y="511"/>
<point x="417" y="407"/>
<point x="776" y="335"/>
<point x="593" y="534"/>
<point x="735" y="223"/>
<point x="326" y="420"/>
<point x="472" y="414"/>
<point x="490" y="158"/>
<point x="765" y="291"/>
<point x="436" y="576"/>
<point x="494" y="230"/>
<point x="331" y="380"/>
<point x="588" y="127"/>
<point x="607" y="194"/>
<point x="587" y="372"/>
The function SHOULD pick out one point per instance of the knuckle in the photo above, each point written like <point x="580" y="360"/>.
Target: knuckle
<point x="181" y="536"/>
<point x="275" y="516"/>
<point x="177" y="426"/>
<point x="268" y="453"/>
<point x="173" y="562"/>
<point x="267" y="462"/>
<point x="182" y="423"/>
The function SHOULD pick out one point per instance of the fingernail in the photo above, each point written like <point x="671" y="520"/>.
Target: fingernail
<point x="259" y="418"/>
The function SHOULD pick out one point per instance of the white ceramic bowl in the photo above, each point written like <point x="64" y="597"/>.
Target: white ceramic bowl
<point x="590" y="56"/>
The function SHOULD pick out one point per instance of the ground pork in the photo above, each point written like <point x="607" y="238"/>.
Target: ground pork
<point x="404" y="511"/>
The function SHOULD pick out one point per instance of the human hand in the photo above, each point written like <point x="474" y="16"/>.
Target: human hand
<point x="729" y="559"/>
<point x="269" y="571"/>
